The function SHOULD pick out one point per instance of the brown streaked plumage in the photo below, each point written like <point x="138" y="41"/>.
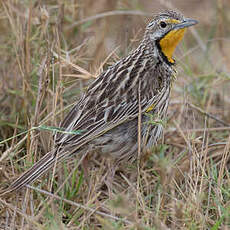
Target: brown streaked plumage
<point x="108" y="111"/>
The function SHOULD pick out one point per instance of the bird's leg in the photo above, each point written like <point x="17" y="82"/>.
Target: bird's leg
<point x="85" y="167"/>
<point x="112" y="167"/>
<point x="145" y="156"/>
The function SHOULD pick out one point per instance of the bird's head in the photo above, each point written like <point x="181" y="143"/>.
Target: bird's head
<point x="166" y="30"/>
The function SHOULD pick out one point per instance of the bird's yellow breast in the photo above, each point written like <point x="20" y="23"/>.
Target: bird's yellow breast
<point x="150" y="108"/>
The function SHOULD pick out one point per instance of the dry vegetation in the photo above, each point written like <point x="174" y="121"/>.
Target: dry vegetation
<point x="48" y="50"/>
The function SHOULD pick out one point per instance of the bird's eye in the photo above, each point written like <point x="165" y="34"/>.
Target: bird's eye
<point x="163" y="24"/>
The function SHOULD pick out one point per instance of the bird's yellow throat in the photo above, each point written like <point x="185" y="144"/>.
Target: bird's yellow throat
<point x="169" y="42"/>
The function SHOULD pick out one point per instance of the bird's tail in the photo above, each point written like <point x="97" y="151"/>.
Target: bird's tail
<point x="38" y="169"/>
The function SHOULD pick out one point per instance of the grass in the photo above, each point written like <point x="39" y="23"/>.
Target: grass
<point x="48" y="52"/>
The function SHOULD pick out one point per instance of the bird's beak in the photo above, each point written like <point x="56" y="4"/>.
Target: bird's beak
<point x="186" y="23"/>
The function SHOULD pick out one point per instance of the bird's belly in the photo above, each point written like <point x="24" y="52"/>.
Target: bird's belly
<point x="122" y="141"/>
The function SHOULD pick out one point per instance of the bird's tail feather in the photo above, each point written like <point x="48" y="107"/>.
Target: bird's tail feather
<point x="39" y="168"/>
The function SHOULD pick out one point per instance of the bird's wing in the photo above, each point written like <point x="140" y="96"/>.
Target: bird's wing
<point x="107" y="103"/>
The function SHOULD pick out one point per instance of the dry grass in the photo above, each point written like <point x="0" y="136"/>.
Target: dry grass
<point x="48" y="50"/>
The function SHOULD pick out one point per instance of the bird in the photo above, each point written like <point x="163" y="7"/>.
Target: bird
<point x="134" y="89"/>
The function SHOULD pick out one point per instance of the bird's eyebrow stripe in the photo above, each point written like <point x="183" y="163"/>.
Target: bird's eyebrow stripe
<point x="173" y="21"/>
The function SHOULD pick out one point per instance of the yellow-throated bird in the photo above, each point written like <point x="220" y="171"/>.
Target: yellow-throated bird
<point x="108" y="111"/>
